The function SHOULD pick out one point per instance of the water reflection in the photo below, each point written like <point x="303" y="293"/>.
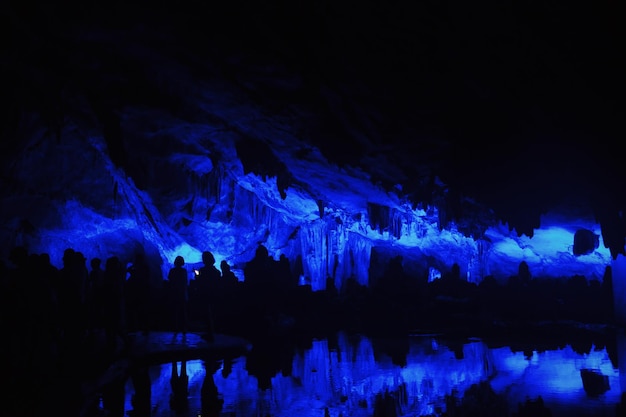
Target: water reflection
<point x="351" y="375"/>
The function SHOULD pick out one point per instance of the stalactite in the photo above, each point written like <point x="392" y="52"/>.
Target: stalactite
<point x="214" y="183"/>
<point x="442" y="215"/>
<point x="398" y="222"/>
<point x="314" y="241"/>
<point x="356" y="258"/>
<point x="483" y="248"/>
<point x="320" y="207"/>
<point x="378" y="216"/>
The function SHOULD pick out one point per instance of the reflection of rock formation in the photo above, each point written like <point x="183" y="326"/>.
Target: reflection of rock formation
<point x="350" y="374"/>
<point x="594" y="382"/>
<point x="359" y="372"/>
<point x="619" y="289"/>
<point x="141" y="400"/>
<point x="390" y="403"/>
<point x="478" y="400"/>
<point x="533" y="408"/>
<point x="113" y="398"/>
<point x="585" y="242"/>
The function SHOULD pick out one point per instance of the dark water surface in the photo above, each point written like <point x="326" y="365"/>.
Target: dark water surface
<point x="419" y="375"/>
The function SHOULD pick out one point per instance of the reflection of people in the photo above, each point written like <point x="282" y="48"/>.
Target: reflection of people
<point x="211" y="401"/>
<point x="113" y="398"/>
<point x="179" y="384"/>
<point x="178" y="280"/>
<point x="142" y="398"/>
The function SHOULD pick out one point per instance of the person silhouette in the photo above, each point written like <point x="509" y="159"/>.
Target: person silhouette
<point x="284" y="277"/>
<point x="94" y="295"/>
<point x="113" y="304"/>
<point x="209" y="289"/>
<point x="208" y="275"/>
<point x="70" y="295"/>
<point x="259" y="271"/>
<point x="138" y="294"/>
<point x="179" y="283"/>
<point x="228" y="276"/>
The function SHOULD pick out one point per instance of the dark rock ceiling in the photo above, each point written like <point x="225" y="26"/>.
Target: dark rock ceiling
<point x="519" y="107"/>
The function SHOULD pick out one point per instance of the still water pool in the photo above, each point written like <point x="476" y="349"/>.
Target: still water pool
<point x="421" y="375"/>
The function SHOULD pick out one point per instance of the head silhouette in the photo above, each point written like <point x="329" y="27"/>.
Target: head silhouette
<point x="208" y="258"/>
<point x="179" y="261"/>
<point x="261" y="252"/>
<point x="19" y="256"/>
<point x="96" y="263"/>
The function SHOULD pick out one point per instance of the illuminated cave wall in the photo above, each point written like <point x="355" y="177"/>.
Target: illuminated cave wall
<point x="183" y="189"/>
<point x="163" y="150"/>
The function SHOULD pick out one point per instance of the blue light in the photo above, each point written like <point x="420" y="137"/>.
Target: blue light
<point x="433" y="274"/>
<point x="188" y="252"/>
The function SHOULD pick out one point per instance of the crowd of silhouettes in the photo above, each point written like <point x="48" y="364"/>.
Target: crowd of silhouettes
<point x="63" y="308"/>
<point x="51" y="316"/>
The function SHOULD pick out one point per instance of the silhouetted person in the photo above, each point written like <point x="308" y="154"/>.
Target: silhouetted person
<point x="141" y="400"/>
<point x="94" y="294"/>
<point x="258" y="272"/>
<point x="209" y="277"/>
<point x="43" y="305"/>
<point x="209" y="289"/>
<point x="82" y="273"/>
<point x="16" y="296"/>
<point x="138" y="294"/>
<point x="30" y="331"/>
<point x="284" y="277"/>
<point x="113" y="304"/>
<point x="179" y="283"/>
<point x="180" y="387"/>
<point x="228" y="276"/>
<point x="523" y="272"/>
<point x="71" y="296"/>
<point x="264" y="294"/>
<point x="50" y="271"/>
